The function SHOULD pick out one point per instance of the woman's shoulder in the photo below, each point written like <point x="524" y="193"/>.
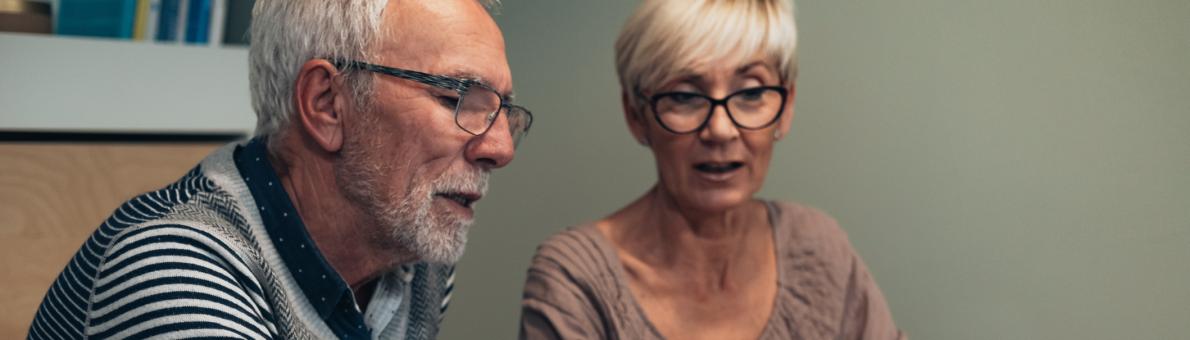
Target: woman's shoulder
<point x="579" y="254"/>
<point x="575" y="244"/>
<point x="797" y="222"/>
<point x="571" y="290"/>
<point x="824" y="279"/>
<point x="572" y="277"/>
<point x="806" y="233"/>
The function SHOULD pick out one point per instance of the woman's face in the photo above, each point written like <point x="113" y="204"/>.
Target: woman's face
<point x="721" y="165"/>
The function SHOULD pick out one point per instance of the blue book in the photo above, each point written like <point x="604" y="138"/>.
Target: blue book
<point x="198" y="21"/>
<point x="167" y="21"/>
<point x="97" y="18"/>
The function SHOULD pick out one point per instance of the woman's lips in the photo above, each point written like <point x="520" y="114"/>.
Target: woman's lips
<point x="717" y="171"/>
<point x="718" y="167"/>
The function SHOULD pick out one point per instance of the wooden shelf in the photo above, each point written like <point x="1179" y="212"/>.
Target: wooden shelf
<point x="53" y="197"/>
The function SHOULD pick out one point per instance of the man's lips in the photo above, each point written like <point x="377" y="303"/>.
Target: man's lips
<point x="465" y="199"/>
<point x="718" y="167"/>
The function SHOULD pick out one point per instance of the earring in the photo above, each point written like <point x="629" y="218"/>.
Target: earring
<point x="776" y="135"/>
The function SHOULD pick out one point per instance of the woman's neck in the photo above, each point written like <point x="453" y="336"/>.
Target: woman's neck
<point x="707" y="246"/>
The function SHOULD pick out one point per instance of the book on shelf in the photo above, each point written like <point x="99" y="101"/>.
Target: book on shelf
<point x="194" y="22"/>
<point x="180" y="21"/>
<point x="167" y="21"/>
<point x="97" y="18"/>
<point x="217" y="22"/>
<point x="138" y="21"/>
<point x="146" y="24"/>
<point x="198" y="19"/>
<point x="151" y="20"/>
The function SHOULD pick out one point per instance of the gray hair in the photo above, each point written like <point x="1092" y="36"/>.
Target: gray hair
<point x="287" y="33"/>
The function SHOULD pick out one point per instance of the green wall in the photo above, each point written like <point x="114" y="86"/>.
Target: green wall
<point x="1009" y="169"/>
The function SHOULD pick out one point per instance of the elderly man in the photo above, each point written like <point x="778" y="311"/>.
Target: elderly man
<point x="378" y="123"/>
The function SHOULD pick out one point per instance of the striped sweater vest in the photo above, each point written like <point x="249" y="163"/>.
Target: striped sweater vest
<point x="193" y="260"/>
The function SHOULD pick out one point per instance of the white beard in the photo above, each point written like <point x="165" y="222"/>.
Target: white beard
<point x="436" y="238"/>
<point x="408" y="222"/>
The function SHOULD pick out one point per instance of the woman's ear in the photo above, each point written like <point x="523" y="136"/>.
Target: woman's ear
<point x="786" y="116"/>
<point x="634" y="118"/>
<point x="315" y="96"/>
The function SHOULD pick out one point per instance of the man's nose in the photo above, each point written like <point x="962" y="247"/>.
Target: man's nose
<point x="493" y="149"/>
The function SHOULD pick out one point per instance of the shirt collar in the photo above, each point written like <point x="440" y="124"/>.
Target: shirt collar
<point x="321" y="284"/>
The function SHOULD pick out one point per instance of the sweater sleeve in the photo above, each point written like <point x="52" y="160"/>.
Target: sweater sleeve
<point x="556" y="309"/>
<point x="557" y="301"/>
<point x="865" y="313"/>
<point x="179" y="280"/>
<point x="829" y="289"/>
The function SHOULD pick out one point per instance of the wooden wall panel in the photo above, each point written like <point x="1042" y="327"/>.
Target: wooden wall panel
<point x="52" y="196"/>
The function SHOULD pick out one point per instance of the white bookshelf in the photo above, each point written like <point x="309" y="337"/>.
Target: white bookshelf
<point x="56" y="83"/>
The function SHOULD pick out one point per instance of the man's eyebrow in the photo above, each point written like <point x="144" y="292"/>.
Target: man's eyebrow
<point x="476" y="78"/>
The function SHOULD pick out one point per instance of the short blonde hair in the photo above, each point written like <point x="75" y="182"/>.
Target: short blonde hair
<point x="666" y="37"/>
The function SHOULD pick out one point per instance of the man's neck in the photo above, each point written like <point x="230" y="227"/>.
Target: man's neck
<point x="344" y="234"/>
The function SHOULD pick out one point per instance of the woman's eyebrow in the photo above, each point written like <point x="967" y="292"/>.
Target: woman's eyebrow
<point x="750" y="66"/>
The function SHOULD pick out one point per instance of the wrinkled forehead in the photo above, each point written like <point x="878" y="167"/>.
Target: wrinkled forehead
<point x="455" y="38"/>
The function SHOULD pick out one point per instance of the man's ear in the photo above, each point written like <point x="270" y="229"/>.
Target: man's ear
<point x="787" y="115"/>
<point x="315" y="96"/>
<point x="635" y="119"/>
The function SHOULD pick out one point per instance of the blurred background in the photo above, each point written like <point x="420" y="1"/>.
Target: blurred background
<point x="1011" y="169"/>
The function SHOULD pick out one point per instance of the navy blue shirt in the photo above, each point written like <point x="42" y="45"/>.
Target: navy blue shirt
<point x="324" y="288"/>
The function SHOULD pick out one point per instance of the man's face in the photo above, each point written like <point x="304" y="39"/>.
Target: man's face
<point x="405" y="159"/>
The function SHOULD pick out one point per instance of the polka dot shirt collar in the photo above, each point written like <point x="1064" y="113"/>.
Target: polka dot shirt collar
<point x="323" y="287"/>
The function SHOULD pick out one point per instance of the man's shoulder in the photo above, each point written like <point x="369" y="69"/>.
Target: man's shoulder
<point x="191" y="211"/>
<point x="168" y="276"/>
<point x="172" y="237"/>
<point x="125" y="246"/>
<point x="149" y="256"/>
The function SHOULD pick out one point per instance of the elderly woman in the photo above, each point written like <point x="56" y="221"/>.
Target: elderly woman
<point x="708" y="86"/>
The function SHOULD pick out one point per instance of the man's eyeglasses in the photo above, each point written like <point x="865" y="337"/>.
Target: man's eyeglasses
<point x="751" y="108"/>
<point x="476" y="105"/>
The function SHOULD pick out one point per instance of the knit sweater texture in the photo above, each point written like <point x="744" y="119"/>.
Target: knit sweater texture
<point x="194" y="260"/>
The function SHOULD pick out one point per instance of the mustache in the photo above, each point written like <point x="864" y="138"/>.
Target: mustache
<point x="469" y="180"/>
